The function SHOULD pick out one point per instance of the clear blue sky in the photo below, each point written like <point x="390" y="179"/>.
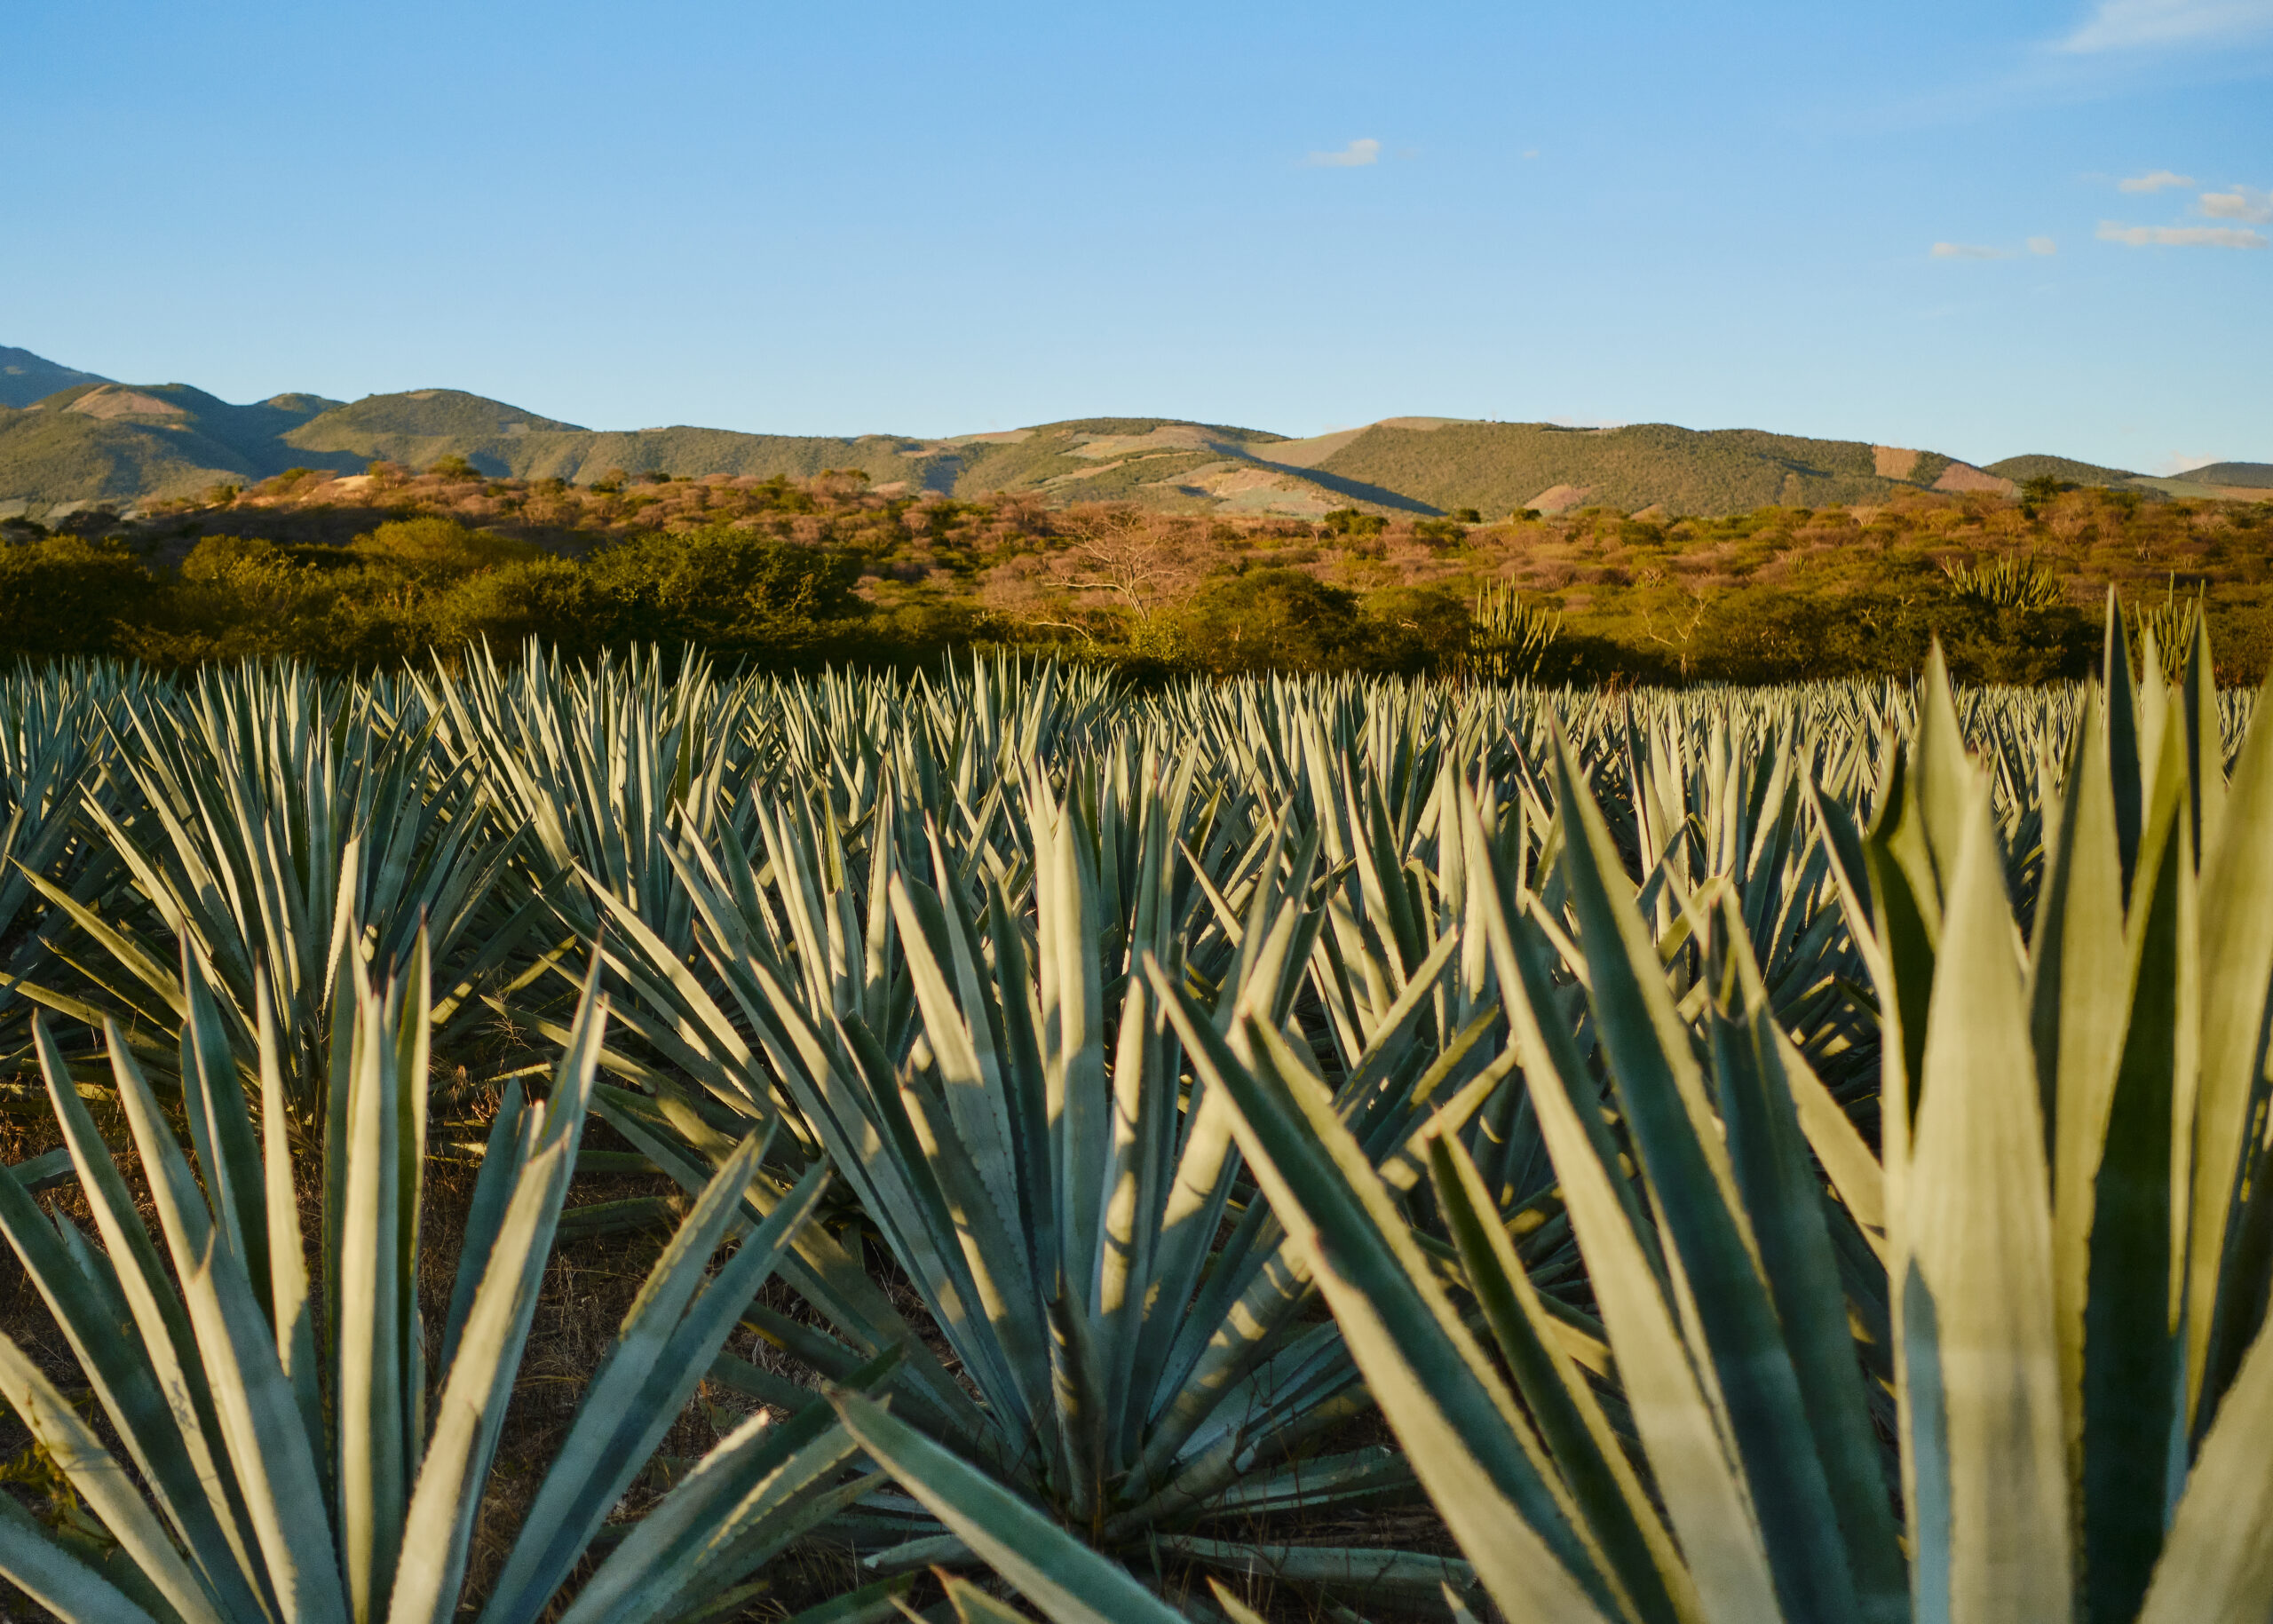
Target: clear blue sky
<point x="927" y="219"/>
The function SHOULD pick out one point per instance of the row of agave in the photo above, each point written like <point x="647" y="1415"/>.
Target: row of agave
<point x="1575" y="1080"/>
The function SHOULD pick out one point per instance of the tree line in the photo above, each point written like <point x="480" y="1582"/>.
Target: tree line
<point x="791" y="575"/>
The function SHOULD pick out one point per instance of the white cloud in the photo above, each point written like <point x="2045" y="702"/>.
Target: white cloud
<point x="2242" y="203"/>
<point x="1983" y="250"/>
<point x="2134" y="25"/>
<point x="2178" y="237"/>
<point x="2155" y="182"/>
<point x="1356" y="155"/>
<point x="1531" y="152"/>
<point x="2183" y="462"/>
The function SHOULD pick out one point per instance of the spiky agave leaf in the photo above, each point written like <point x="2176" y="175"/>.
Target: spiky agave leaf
<point x="277" y="824"/>
<point x="2020" y="1429"/>
<point x="280" y="1485"/>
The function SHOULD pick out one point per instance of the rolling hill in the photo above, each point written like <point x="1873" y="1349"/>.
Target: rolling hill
<point x="1495" y="467"/>
<point x="2252" y="476"/>
<point x="107" y="441"/>
<point x="26" y="377"/>
<point x="2067" y="470"/>
<point x="82" y="440"/>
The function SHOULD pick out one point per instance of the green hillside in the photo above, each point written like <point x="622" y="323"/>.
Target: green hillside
<point x="884" y="458"/>
<point x="425" y="424"/>
<point x="417" y="427"/>
<point x="88" y="440"/>
<point x="46" y="457"/>
<point x="1103" y="458"/>
<point x="1500" y="467"/>
<point x="26" y="377"/>
<point x="1160" y="462"/>
<point x="2035" y="465"/>
<point x="2257" y="476"/>
<point x="112" y="442"/>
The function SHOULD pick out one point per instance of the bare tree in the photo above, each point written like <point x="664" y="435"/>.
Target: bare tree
<point x="1681" y="620"/>
<point x="1144" y="561"/>
<point x="1028" y="592"/>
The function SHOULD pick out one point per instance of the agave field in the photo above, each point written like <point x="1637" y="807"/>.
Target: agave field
<point x="1281" y="1149"/>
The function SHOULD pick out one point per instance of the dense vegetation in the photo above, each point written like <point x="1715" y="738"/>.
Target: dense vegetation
<point x="792" y="574"/>
<point x="367" y="573"/>
<point x="1134" y="1152"/>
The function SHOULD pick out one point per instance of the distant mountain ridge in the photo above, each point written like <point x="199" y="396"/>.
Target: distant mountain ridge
<point x="83" y="441"/>
<point x="26" y="377"/>
<point x="2255" y="476"/>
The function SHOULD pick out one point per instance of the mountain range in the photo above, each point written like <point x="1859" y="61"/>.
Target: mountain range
<point x="71" y="440"/>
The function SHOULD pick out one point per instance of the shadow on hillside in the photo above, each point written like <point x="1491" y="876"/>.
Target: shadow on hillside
<point x="1356" y="490"/>
<point x="169" y="537"/>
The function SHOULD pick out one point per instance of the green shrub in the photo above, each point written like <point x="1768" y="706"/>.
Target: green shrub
<point x="436" y="549"/>
<point x="1274" y="620"/>
<point x="553" y="600"/>
<point x="1411" y="629"/>
<point x="1350" y="522"/>
<point x="64" y="595"/>
<point x="733" y="592"/>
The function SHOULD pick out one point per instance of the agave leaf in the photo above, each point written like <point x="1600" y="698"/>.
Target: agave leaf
<point x="1345" y="1568"/>
<point x="961" y="1037"/>
<point x="259" y="1414"/>
<point x="2237" y="960"/>
<point x="2216" y="1565"/>
<point x="1460" y="1429"/>
<point x="220" y="1130"/>
<point x="1542" y="1041"/>
<point x="871" y="1604"/>
<point x="760" y="1468"/>
<point x="1067" y="1581"/>
<point x="1990" y="1521"/>
<point x="1073" y="1014"/>
<point x="673" y="1331"/>
<point x="504" y="1154"/>
<point x="2205" y="742"/>
<point x="289" y="1308"/>
<point x="826" y="1275"/>
<point x="55" y="1579"/>
<point x="373" y="1473"/>
<point x="1674" y="1414"/>
<point x="1853" y="1172"/>
<point x="1768" y="1160"/>
<point x="80" y="1456"/>
<point x="1660" y="1086"/>
<point x="2126" y="760"/>
<point x="1592" y="1459"/>
<point x="86" y="1299"/>
<point x="168" y="1340"/>
<point x="973" y="1605"/>
<point x="273" y="1455"/>
<point x="1143" y="1089"/>
<point x="471" y="1411"/>
<point x="2130" y="1424"/>
<point x="2080" y="978"/>
<point x="142" y="963"/>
